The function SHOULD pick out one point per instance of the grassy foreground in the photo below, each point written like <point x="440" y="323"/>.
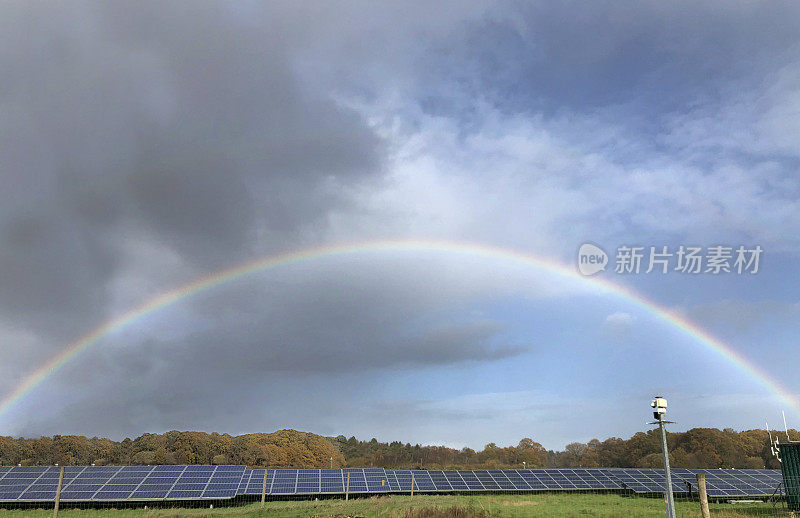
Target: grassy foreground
<point x="430" y="506"/>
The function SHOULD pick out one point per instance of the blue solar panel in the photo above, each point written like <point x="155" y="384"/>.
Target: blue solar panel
<point x="402" y="479"/>
<point x="517" y="480"/>
<point x="486" y="480"/>
<point x="472" y="481"/>
<point x="331" y="481"/>
<point x="237" y="469"/>
<point x="169" y="469"/>
<point x="422" y="481"/>
<point x="502" y="480"/>
<point x="285" y="481"/>
<point x="257" y="480"/>
<point x="440" y="481"/>
<point x="308" y="481"/>
<point x="533" y="480"/>
<point x="455" y="480"/>
<point x="146" y="469"/>
<point x="377" y="480"/>
<point x="735" y="482"/>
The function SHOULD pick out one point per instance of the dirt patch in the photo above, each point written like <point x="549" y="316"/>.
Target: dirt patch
<point x="452" y="512"/>
<point x="520" y="503"/>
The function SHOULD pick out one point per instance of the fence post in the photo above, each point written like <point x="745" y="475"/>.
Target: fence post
<point x="701" y="486"/>
<point x="58" y="492"/>
<point x="264" y="488"/>
<point x="412" y="484"/>
<point x="347" y="489"/>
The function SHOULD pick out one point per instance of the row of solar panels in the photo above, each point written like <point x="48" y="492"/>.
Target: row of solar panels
<point x="147" y="483"/>
<point x="307" y="481"/>
<point x="121" y="482"/>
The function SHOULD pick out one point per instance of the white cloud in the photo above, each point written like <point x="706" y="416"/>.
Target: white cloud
<point x="618" y="325"/>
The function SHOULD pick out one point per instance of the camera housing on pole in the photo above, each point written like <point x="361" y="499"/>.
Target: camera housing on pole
<point x="659" y="406"/>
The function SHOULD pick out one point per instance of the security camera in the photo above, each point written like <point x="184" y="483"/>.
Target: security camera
<point x="660" y="406"/>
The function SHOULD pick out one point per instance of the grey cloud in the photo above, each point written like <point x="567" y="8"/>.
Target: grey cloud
<point x="336" y="326"/>
<point x="555" y="57"/>
<point x="181" y="124"/>
<point x="317" y="344"/>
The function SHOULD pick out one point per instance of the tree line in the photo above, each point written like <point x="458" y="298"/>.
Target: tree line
<point x="695" y="448"/>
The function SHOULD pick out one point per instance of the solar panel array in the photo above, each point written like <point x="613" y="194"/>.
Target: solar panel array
<point x="100" y="483"/>
<point x="375" y="480"/>
<point x="734" y="482"/>
<point x="150" y="483"/>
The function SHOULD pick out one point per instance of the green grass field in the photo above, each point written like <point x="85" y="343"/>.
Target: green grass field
<point x="431" y="506"/>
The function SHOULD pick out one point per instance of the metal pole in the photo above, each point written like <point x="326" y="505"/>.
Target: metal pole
<point x="669" y="500"/>
<point x="58" y="492"/>
<point x="412" y="484"/>
<point x="331" y="462"/>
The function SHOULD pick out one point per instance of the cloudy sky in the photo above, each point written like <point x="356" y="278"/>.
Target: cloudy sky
<point x="144" y="145"/>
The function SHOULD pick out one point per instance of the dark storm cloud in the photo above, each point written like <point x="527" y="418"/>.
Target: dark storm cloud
<point x="301" y="332"/>
<point x="333" y="319"/>
<point x="179" y="124"/>
<point x="309" y="345"/>
<point x="210" y="380"/>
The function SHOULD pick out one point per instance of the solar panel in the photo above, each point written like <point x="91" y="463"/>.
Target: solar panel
<point x="440" y="481"/>
<point x="422" y="480"/>
<point x="455" y="480"/>
<point x="517" y="480"/>
<point x="331" y="481"/>
<point x="284" y="482"/>
<point x="645" y="480"/>
<point x="357" y="481"/>
<point x="377" y="480"/>
<point x="224" y="482"/>
<point x="565" y="478"/>
<point x="501" y="479"/>
<point x="486" y="480"/>
<point x="736" y="482"/>
<point x="244" y="481"/>
<point x="472" y="481"/>
<point x="532" y="479"/>
<point x="308" y="481"/>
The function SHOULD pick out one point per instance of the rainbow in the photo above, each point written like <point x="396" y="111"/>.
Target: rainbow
<point x="163" y="300"/>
